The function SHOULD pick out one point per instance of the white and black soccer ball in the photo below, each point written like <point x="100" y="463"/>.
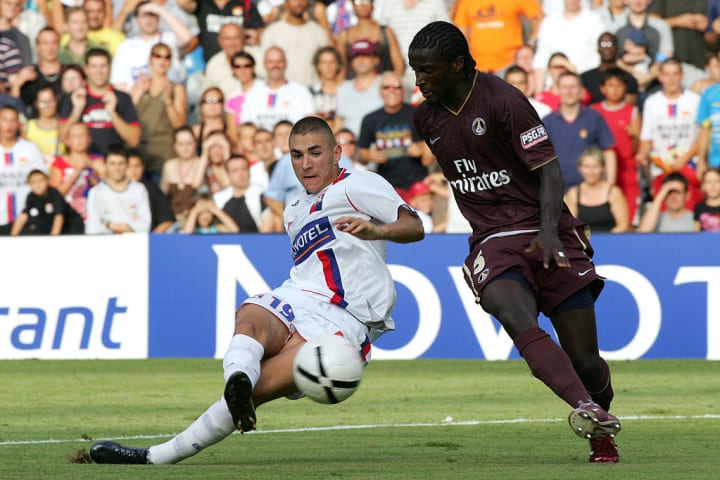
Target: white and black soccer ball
<point x="328" y="369"/>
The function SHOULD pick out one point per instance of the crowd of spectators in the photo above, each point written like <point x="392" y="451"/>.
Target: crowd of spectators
<point x="173" y="115"/>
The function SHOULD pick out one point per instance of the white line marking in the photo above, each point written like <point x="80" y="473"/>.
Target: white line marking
<point x="623" y="418"/>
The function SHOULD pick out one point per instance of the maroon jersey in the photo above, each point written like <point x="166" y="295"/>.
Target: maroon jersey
<point x="489" y="152"/>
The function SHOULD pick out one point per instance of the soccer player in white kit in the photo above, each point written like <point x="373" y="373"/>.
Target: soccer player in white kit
<point x="339" y="284"/>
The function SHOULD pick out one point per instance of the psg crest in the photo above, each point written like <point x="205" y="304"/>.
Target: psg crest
<point x="479" y="126"/>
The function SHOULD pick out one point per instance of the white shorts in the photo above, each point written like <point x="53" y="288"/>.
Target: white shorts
<point x="312" y="317"/>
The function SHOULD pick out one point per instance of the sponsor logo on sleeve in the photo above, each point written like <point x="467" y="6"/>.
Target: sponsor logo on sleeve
<point x="533" y="136"/>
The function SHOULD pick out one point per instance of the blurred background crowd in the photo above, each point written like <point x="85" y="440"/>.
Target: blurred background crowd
<point x="174" y="115"/>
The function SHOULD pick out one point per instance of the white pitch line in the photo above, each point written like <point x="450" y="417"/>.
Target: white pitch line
<point x="707" y="416"/>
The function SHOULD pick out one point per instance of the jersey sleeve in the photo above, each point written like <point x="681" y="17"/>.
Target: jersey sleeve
<point x="372" y="195"/>
<point x="529" y="137"/>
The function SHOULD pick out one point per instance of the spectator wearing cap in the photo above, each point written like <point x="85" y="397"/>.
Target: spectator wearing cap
<point x="422" y="199"/>
<point x="132" y="56"/>
<point x="300" y="38"/>
<point x="389" y="141"/>
<point x="635" y="60"/>
<point x="361" y="95"/>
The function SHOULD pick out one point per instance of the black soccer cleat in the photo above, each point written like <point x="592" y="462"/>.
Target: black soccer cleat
<point x="238" y="396"/>
<point x="114" y="453"/>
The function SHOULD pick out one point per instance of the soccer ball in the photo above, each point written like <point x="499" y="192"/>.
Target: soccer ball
<point x="328" y="369"/>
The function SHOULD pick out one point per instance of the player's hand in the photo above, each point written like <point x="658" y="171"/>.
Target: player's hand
<point x="551" y="247"/>
<point x="359" y="227"/>
<point x="109" y="101"/>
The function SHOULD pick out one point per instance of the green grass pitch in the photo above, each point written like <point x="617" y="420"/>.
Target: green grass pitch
<point x="420" y="419"/>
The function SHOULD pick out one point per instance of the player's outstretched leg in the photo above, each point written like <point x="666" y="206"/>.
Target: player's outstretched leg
<point x="111" y="452"/>
<point x="238" y="395"/>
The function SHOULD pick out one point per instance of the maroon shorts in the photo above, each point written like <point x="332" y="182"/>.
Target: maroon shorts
<point x="553" y="285"/>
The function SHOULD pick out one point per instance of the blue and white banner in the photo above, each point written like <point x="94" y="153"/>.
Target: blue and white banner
<point x="153" y="296"/>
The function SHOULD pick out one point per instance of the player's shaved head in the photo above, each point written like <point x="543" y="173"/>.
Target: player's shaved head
<point x="312" y="125"/>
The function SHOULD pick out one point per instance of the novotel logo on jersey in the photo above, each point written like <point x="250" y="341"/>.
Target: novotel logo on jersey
<point x="533" y="136"/>
<point x="313" y="236"/>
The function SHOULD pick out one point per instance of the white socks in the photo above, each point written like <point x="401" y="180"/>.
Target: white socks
<point x="211" y="427"/>
<point x="243" y="355"/>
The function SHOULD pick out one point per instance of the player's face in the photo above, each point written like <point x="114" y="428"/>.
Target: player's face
<point x="117" y="166"/>
<point x="434" y="77"/>
<point x="314" y="160"/>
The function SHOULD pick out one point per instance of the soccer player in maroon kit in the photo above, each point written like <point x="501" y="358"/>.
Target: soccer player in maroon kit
<point x="527" y="252"/>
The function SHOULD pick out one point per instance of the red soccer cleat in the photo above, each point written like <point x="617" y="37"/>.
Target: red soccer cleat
<point x="603" y="450"/>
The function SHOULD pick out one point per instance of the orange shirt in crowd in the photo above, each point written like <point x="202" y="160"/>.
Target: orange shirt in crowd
<point x="494" y="29"/>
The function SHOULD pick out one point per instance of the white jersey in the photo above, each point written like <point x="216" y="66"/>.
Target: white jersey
<point x="130" y="206"/>
<point x="337" y="266"/>
<point x="265" y="107"/>
<point x="15" y="164"/>
<point x="670" y="125"/>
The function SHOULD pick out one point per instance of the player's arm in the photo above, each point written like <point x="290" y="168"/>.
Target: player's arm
<point x="551" y="200"/>
<point x="406" y="229"/>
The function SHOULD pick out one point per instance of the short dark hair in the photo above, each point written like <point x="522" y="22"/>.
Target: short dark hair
<point x="36" y="171"/>
<point x="514" y="68"/>
<point x="446" y="41"/>
<point x="677" y="177"/>
<point x="615" y="72"/>
<point x="135" y="152"/>
<point x="328" y="49"/>
<point x="314" y="124"/>
<point x="46" y="28"/>
<point x="97" y="52"/>
<point x="116" y="149"/>
<point x="245" y="55"/>
<point x="181" y="129"/>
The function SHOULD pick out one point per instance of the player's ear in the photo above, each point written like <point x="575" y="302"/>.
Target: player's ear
<point x="458" y="65"/>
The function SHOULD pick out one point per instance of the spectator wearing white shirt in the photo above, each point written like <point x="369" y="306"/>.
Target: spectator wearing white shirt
<point x="20" y="157"/>
<point x="575" y="22"/>
<point x="280" y="98"/>
<point x="118" y="204"/>
<point x="131" y="57"/>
